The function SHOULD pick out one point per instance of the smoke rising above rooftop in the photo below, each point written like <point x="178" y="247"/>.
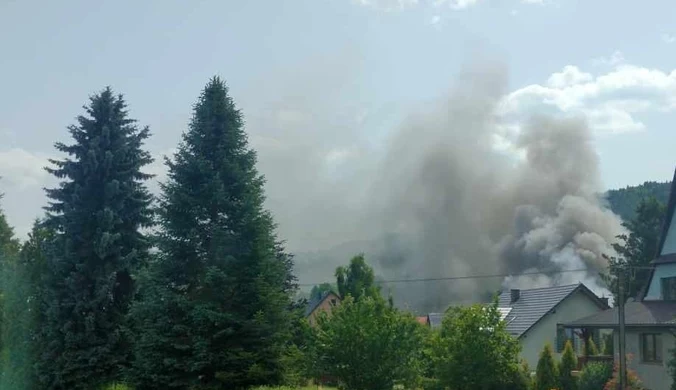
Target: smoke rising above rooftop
<point x="459" y="191"/>
<point x="469" y="208"/>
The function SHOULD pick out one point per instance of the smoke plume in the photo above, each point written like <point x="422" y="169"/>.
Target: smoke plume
<point x="456" y="192"/>
<point x="464" y="206"/>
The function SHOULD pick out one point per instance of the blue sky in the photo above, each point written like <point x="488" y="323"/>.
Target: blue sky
<point x="318" y="79"/>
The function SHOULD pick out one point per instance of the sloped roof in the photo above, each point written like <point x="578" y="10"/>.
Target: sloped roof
<point x="669" y="257"/>
<point x="435" y="319"/>
<point x="636" y="314"/>
<point x="671" y="205"/>
<point x="534" y="304"/>
<point x="314" y="303"/>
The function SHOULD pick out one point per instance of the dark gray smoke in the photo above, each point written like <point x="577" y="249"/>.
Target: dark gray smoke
<point x="465" y="207"/>
<point x="457" y="192"/>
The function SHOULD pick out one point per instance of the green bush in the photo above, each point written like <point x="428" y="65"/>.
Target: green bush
<point x="117" y="386"/>
<point x="431" y="384"/>
<point x="568" y="364"/>
<point x="590" y="348"/>
<point x="595" y="375"/>
<point x="546" y="375"/>
<point x="475" y="351"/>
<point x="367" y="344"/>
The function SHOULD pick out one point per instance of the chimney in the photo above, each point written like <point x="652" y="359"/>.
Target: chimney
<point x="604" y="300"/>
<point x="515" y="295"/>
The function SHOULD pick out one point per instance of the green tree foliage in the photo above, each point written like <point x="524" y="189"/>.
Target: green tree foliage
<point x="299" y="357"/>
<point x="671" y="364"/>
<point x="568" y="364"/>
<point x="318" y="290"/>
<point x="357" y="279"/>
<point x="9" y="250"/>
<point x="546" y="374"/>
<point x="590" y="348"/>
<point x="595" y="375"/>
<point x="97" y="212"/>
<point x="637" y="249"/>
<point x="624" y="201"/>
<point x="633" y="381"/>
<point x="475" y="351"/>
<point x="607" y="345"/>
<point x="21" y="312"/>
<point x="369" y="345"/>
<point x="213" y="308"/>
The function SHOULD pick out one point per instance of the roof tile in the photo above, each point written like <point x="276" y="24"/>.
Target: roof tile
<point x="532" y="305"/>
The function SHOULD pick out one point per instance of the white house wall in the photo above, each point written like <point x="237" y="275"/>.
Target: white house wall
<point x="654" y="376"/>
<point x="661" y="271"/>
<point x="576" y="306"/>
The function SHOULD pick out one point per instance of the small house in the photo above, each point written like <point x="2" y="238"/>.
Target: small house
<point x="532" y="316"/>
<point x="324" y="303"/>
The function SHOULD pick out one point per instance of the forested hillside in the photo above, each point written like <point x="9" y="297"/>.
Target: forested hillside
<point x="623" y="201"/>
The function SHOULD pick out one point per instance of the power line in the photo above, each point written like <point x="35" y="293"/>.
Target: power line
<point x="464" y="277"/>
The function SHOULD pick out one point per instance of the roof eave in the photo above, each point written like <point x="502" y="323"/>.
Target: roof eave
<point x="614" y="326"/>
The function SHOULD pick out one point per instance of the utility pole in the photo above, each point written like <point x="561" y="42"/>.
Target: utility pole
<point x="622" y="339"/>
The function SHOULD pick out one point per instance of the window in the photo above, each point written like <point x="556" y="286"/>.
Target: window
<point x="668" y="288"/>
<point x="333" y="302"/>
<point x="563" y="335"/>
<point x="651" y="347"/>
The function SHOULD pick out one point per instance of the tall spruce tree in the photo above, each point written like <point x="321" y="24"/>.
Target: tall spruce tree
<point x="96" y="212"/>
<point x="213" y="311"/>
<point x="9" y="249"/>
<point x="22" y="282"/>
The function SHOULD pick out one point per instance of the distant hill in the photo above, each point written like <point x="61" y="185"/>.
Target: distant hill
<point x="623" y="201"/>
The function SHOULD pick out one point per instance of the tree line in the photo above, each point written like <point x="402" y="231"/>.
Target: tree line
<point x="189" y="290"/>
<point x="193" y="289"/>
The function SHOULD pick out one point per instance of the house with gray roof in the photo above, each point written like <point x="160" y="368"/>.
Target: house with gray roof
<point x="650" y="319"/>
<point x="532" y="316"/>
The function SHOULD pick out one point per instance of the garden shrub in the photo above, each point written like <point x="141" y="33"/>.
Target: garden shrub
<point x="633" y="381"/>
<point x="568" y="363"/>
<point x="546" y="374"/>
<point x="595" y="375"/>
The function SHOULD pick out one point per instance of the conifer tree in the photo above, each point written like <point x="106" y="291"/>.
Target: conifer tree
<point x="214" y="306"/>
<point x="9" y="249"/>
<point x="568" y="364"/>
<point x="546" y="375"/>
<point x="96" y="213"/>
<point x="22" y="279"/>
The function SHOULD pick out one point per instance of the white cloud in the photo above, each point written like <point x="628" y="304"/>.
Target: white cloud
<point x="456" y="4"/>
<point x="613" y="60"/>
<point x="532" y="1"/>
<point x="388" y="5"/>
<point x="668" y="38"/>
<point x="435" y="20"/>
<point x="569" y="76"/>
<point x="21" y="169"/>
<point x="612" y="102"/>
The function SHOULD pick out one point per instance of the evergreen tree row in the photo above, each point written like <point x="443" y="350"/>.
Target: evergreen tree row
<point x="190" y="290"/>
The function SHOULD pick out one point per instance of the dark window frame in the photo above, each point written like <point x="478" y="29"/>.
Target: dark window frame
<point x="655" y="340"/>
<point x="562" y="336"/>
<point x="668" y="288"/>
